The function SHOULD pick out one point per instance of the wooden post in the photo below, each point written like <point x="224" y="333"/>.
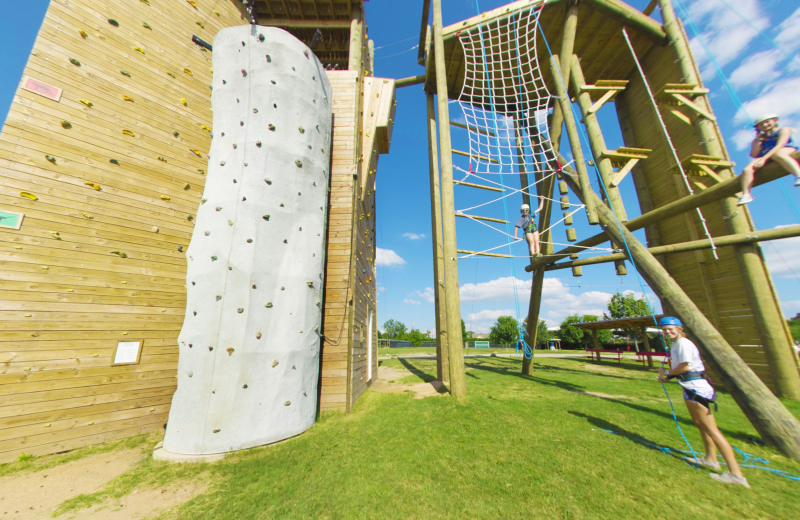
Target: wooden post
<point x="766" y="413"/>
<point x="574" y="140"/>
<point x="523" y="174"/>
<point x="546" y="188"/>
<point x="646" y="340"/>
<point x="766" y="311"/>
<point x="442" y="366"/>
<point x="356" y="35"/>
<point x="458" y="385"/>
<point x="594" y="340"/>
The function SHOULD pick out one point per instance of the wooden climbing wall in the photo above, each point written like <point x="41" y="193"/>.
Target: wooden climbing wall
<point x="97" y="260"/>
<point x="715" y="286"/>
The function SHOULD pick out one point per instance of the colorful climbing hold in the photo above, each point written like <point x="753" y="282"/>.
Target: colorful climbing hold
<point x="183" y="101"/>
<point x="287" y="403"/>
<point x="162" y="159"/>
<point x="268" y="305"/>
<point x="126" y="98"/>
<point x="176" y="133"/>
<point x="229" y="350"/>
<point x="125" y="73"/>
<point x="155" y="229"/>
<point x="171" y="74"/>
<point x="193" y="4"/>
<point x="195" y="152"/>
<point x="301" y="129"/>
<point x="55" y="234"/>
<point x="28" y="195"/>
<point x="187" y="186"/>
<point x="83" y="34"/>
<point x="146" y="26"/>
<point x="299" y="163"/>
<point x="86" y="215"/>
<point x="201" y="172"/>
<point x="137" y="48"/>
<point x="275" y="363"/>
<point x="190" y="217"/>
<point x="217" y="13"/>
<point x="198" y="22"/>
<point x="119" y="253"/>
<point x="189" y="72"/>
<point x="145" y="2"/>
<point x="206" y="127"/>
<point x="114" y="161"/>
<point x="265" y="217"/>
<point x="93" y="185"/>
<point x="214" y="258"/>
<point x="75" y="62"/>
<point x="50" y="158"/>
<point x="271" y="127"/>
<point x="164" y="197"/>
<point x="128" y="132"/>
<point x="113" y="22"/>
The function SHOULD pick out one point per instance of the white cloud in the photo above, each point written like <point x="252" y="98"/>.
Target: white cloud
<point x="790" y="308"/>
<point x="411" y="302"/>
<point x="757" y="69"/>
<point x="388" y="258"/>
<point x="782" y="258"/>
<point x="381" y="288"/>
<point x="426" y="295"/>
<point x="413" y="236"/>
<point x="789" y="35"/>
<point x="742" y="139"/>
<point x="780" y="96"/>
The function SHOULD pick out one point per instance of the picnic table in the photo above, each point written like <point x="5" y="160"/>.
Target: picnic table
<point x="592" y="352"/>
<point x="648" y="356"/>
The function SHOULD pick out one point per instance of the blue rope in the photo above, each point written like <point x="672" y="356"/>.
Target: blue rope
<point x="625" y="243"/>
<point x="731" y="91"/>
<point x="746" y="463"/>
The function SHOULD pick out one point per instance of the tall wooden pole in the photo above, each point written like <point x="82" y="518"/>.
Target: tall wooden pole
<point x="523" y="174"/>
<point x="458" y="384"/>
<point x="442" y="366"/>
<point x="356" y="35"/>
<point x="766" y="413"/>
<point x="546" y="189"/>
<point x="766" y="310"/>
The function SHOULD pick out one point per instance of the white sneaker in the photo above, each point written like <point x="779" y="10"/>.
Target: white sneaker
<point x="744" y="199"/>
<point x="797" y="182"/>
<point x="702" y="461"/>
<point x="729" y="478"/>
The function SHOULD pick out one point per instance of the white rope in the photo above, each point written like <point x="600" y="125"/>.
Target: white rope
<point x="669" y="141"/>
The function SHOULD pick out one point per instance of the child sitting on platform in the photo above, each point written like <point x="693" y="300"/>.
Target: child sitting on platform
<point x="528" y="225"/>
<point x="770" y="144"/>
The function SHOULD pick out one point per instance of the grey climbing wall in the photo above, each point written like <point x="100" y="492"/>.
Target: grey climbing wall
<point x="249" y="346"/>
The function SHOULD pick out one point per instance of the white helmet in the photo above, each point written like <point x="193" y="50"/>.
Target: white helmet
<point x="525" y="206"/>
<point x="765" y="117"/>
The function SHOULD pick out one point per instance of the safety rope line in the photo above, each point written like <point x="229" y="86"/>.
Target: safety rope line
<point x="619" y="226"/>
<point x="729" y="88"/>
<point x="669" y="141"/>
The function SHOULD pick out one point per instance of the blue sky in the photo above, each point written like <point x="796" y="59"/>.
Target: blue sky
<point x="764" y="77"/>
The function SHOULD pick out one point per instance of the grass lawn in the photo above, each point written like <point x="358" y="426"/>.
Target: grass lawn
<point x="516" y="447"/>
<point x="430" y="351"/>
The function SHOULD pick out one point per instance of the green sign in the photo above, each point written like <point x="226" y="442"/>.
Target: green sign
<point x="10" y="220"/>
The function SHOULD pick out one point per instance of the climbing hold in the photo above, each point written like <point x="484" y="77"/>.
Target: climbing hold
<point x="206" y="128"/>
<point x="310" y="283"/>
<point x="93" y="185"/>
<point x="258" y="335"/>
<point x="155" y="229"/>
<point x="302" y="130"/>
<point x="268" y="181"/>
<point x="230" y="222"/>
<point x="269" y="60"/>
<point x="217" y="13"/>
<point x="219" y="297"/>
<point x="305" y="52"/>
<point x="114" y="161"/>
<point x="55" y="234"/>
<point x="258" y="144"/>
<point x="183" y="101"/>
<point x="207" y="233"/>
<point x="249" y="240"/>
<point x="240" y="310"/>
<point x="271" y="127"/>
<point x="146" y="26"/>
<point x="299" y="163"/>
<point x="195" y="152"/>
<point x="162" y="159"/>
<point x="213" y="258"/>
<point x="125" y="73"/>
<point x="255" y="111"/>
<point x="268" y="305"/>
<point x="275" y="363"/>
<point x="244" y="73"/>
<point x="137" y="48"/>
<point x="128" y="132"/>
<point x="127" y="98"/>
<point x="113" y="22"/>
<point x="193" y="4"/>
<point x="229" y="350"/>
<point x="28" y="195"/>
<point x="189" y="72"/>
<point x="83" y="34"/>
<point x="265" y="217"/>
<point x="187" y="186"/>
<point x="198" y="22"/>
<point x="287" y="403"/>
<point x="86" y="102"/>
<point x="171" y="74"/>
<point x="219" y="208"/>
<point x="210" y="349"/>
<point x="190" y="217"/>
<point x="241" y="123"/>
<point x="217" y="430"/>
<point x="294" y="367"/>
<point x="272" y="81"/>
<point x="235" y="146"/>
<point x="86" y="215"/>
<point x="201" y="172"/>
<point x="176" y="133"/>
<point x="164" y="197"/>
<point x="281" y="204"/>
<point x="119" y="253"/>
<point x="286" y="241"/>
<point x="50" y="158"/>
<point x="180" y="248"/>
<point x="75" y="62"/>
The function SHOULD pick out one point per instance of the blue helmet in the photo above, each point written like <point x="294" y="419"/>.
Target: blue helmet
<point x="669" y="320"/>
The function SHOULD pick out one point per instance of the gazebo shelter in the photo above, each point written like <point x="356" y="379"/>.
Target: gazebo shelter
<point x="637" y="323"/>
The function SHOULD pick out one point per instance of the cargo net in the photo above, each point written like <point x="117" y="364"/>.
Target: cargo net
<point x="505" y="104"/>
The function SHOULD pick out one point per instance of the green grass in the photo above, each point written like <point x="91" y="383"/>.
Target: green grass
<point x="429" y="351"/>
<point x="515" y="447"/>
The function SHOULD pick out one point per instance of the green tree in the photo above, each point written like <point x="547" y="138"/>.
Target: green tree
<point x="794" y="326"/>
<point x="505" y="331"/>
<point x="543" y="336"/>
<point x="603" y="336"/>
<point x="394" y="329"/>
<point x="626" y="305"/>
<point x="464" y="334"/>
<point x="415" y="336"/>
<point x="569" y="334"/>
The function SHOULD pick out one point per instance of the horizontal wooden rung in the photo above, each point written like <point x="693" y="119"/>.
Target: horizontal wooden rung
<point x="487" y="219"/>
<point x="471" y="185"/>
<point x="476" y="253"/>
<point x="477" y="157"/>
<point x="627" y="153"/>
<point x="473" y="129"/>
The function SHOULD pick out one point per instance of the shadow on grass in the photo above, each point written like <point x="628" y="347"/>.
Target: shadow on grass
<point x="425" y="377"/>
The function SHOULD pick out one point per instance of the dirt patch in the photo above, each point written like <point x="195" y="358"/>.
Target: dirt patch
<point x="601" y="395"/>
<point x="35" y="495"/>
<point x="385" y="383"/>
<point x="601" y="369"/>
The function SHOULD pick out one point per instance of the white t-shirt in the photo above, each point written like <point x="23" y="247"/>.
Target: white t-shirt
<point x="684" y="351"/>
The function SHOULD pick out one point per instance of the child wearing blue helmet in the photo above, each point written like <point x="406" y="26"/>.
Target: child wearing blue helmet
<point x="687" y="367"/>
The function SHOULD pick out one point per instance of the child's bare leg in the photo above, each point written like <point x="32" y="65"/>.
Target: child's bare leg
<point x="785" y="159"/>
<point x="531" y="247"/>
<point x="705" y="421"/>
<point x="536" y="244"/>
<point x="748" y="176"/>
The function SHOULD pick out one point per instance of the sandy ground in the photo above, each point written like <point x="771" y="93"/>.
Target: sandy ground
<point x="37" y="494"/>
<point x="421" y="390"/>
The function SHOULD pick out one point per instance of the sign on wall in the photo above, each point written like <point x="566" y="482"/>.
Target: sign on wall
<point x="43" y="89"/>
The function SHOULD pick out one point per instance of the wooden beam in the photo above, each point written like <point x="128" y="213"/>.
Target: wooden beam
<point x="407" y="82"/>
<point x="523" y="174"/>
<point x="650" y="8"/>
<point x="487" y="219"/>
<point x="774" y="423"/>
<point x="632" y="18"/>
<point x="423" y="31"/>
<point x="472" y="128"/>
<point x="694" y="245"/>
<point x="304" y="24"/>
<point x="478" y="253"/>
<point x="356" y="35"/>
<point x="442" y="365"/>
<point x="725" y="189"/>
<point x="478" y="157"/>
<point x="574" y="139"/>
<point x="481" y="186"/>
<point x="458" y="385"/>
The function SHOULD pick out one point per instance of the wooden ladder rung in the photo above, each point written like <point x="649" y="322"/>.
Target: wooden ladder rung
<point x="476" y="253"/>
<point x="481" y="186"/>
<point x="487" y="219"/>
<point x="478" y="157"/>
